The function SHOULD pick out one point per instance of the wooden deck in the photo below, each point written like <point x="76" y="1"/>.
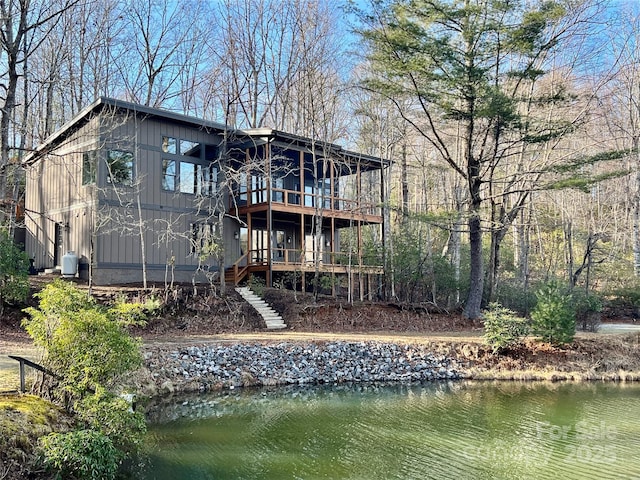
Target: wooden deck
<point x="340" y="266"/>
<point x="300" y="203"/>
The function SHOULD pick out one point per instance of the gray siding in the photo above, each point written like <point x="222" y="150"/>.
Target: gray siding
<point x="55" y="194"/>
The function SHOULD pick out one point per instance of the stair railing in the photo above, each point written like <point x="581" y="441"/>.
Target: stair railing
<point x="240" y="271"/>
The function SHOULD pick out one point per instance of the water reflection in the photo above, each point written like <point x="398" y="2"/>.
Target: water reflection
<point x="442" y="430"/>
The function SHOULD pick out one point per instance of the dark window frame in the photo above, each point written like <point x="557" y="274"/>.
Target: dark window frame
<point x="116" y="176"/>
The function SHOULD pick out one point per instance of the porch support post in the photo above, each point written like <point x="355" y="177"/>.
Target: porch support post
<point x="359" y="190"/>
<point x="249" y="243"/>
<point x="301" y="186"/>
<point x="303" y="249"/>
<point x="359" y="187"/>
<point x="360" y="279"/>
<point x="302" y="246"/>
<point x="267" y="155"/>
<point x="332" y="251"/>
<point x="332" y="192"/>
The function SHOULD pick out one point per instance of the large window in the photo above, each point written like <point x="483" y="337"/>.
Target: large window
<point x="317" y="193"/>
<point x="277" y="189"/>
<point x="89" y="166"/>
<point x="187" y="177"/>
<point x="203" y="240"/>
<point x="207" y="183"/>
<point x="198" y="179"/>
<point x="169" y="175"/>
<point x="258" y="189"/>
<point x="119" y="167"/>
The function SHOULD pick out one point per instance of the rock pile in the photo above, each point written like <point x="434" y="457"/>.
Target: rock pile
<point x="228" y="366"/>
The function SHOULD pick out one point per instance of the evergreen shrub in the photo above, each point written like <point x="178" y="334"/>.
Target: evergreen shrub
<point x="554" y="316"/>
<point x="503" y="328"/>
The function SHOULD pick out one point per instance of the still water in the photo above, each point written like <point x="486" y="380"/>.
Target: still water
<point x="459" y="430"/>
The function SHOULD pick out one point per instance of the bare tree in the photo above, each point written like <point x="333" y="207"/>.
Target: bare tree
<point x="160" y="39"/>
<point x="23" y="27"/>
<point x="621" y="107"/>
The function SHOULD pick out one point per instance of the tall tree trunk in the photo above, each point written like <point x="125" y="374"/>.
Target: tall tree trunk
<point x="636" y="213"/>
<point x="143" y="248"/>
<point x="473" y="306"/>
<point x="405" y="181"/>
<point x="568" y="237"/>
<point x="524" y="243"/>
<point x="6" y="115"/>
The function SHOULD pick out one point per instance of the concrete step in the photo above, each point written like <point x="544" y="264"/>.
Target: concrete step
<point x="279" y="327"/>
<point x="263" y="307"/>
<point x="271" y="317"/>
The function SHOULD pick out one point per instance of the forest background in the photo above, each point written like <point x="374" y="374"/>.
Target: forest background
<point x="513" y="125"/>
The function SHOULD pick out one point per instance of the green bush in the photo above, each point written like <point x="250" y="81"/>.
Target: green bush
<point x="627" y="296"/>
<point x="113" y="417"/>
<point x="133" y="313"/>
<point x="588" y="307"/>
<point x="83" y="342"/>
<point x="257" y="285"/>
<point x="87" y="347"/>
<point x="14" y="272"/>
<point x="503" y="328"/>
<point x="81" y="455"/>
<point x="554" y="316"/>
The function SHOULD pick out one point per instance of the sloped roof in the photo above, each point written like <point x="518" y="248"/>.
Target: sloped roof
<point x="244" y="137"/>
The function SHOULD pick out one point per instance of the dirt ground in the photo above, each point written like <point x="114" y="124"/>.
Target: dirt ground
<point x="203" y="318"/>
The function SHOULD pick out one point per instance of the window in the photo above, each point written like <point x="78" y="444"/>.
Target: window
<point x="198" y="179"/>
<point x="258" y="189"/>
<point x="190" y="149"/>
<point x="277" y="193"/>
<point x="242" y="189"/>
<point x="324" y="188"/>
<point x="203" y="239"/>
<point x="187" y="177"/>
<point x="89" y="165"/>
<point x="278" y="253"/>
<point x="169" y="175"/>
<point x="169" y="145"/>
<point x="210" y="152"/>
<point x="207" y="180"/>
<point x="119" y="167"/>
<point x="317" y="193"/>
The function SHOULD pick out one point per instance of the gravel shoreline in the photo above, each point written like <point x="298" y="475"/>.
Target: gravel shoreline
<point x="216" y="367"/>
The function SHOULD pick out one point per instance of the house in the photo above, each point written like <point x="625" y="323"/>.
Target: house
<point x="140" y="193"/>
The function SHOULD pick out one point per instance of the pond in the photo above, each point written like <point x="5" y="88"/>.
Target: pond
<point x="461" y="430"/>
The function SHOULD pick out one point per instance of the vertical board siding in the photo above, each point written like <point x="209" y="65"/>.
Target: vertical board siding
<point x="55" y="194"/>
<point x="167" y="216"/>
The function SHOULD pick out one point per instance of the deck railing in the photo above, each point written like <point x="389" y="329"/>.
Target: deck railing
<point x="296" y="257"/>
<point x="298" y="199"/>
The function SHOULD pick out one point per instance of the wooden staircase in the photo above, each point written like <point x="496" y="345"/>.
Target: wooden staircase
<point x="272" y="318"/>
<point x="234" y="274"/>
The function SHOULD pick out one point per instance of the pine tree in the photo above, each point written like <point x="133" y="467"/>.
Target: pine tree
<point x="470" y="69"/>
